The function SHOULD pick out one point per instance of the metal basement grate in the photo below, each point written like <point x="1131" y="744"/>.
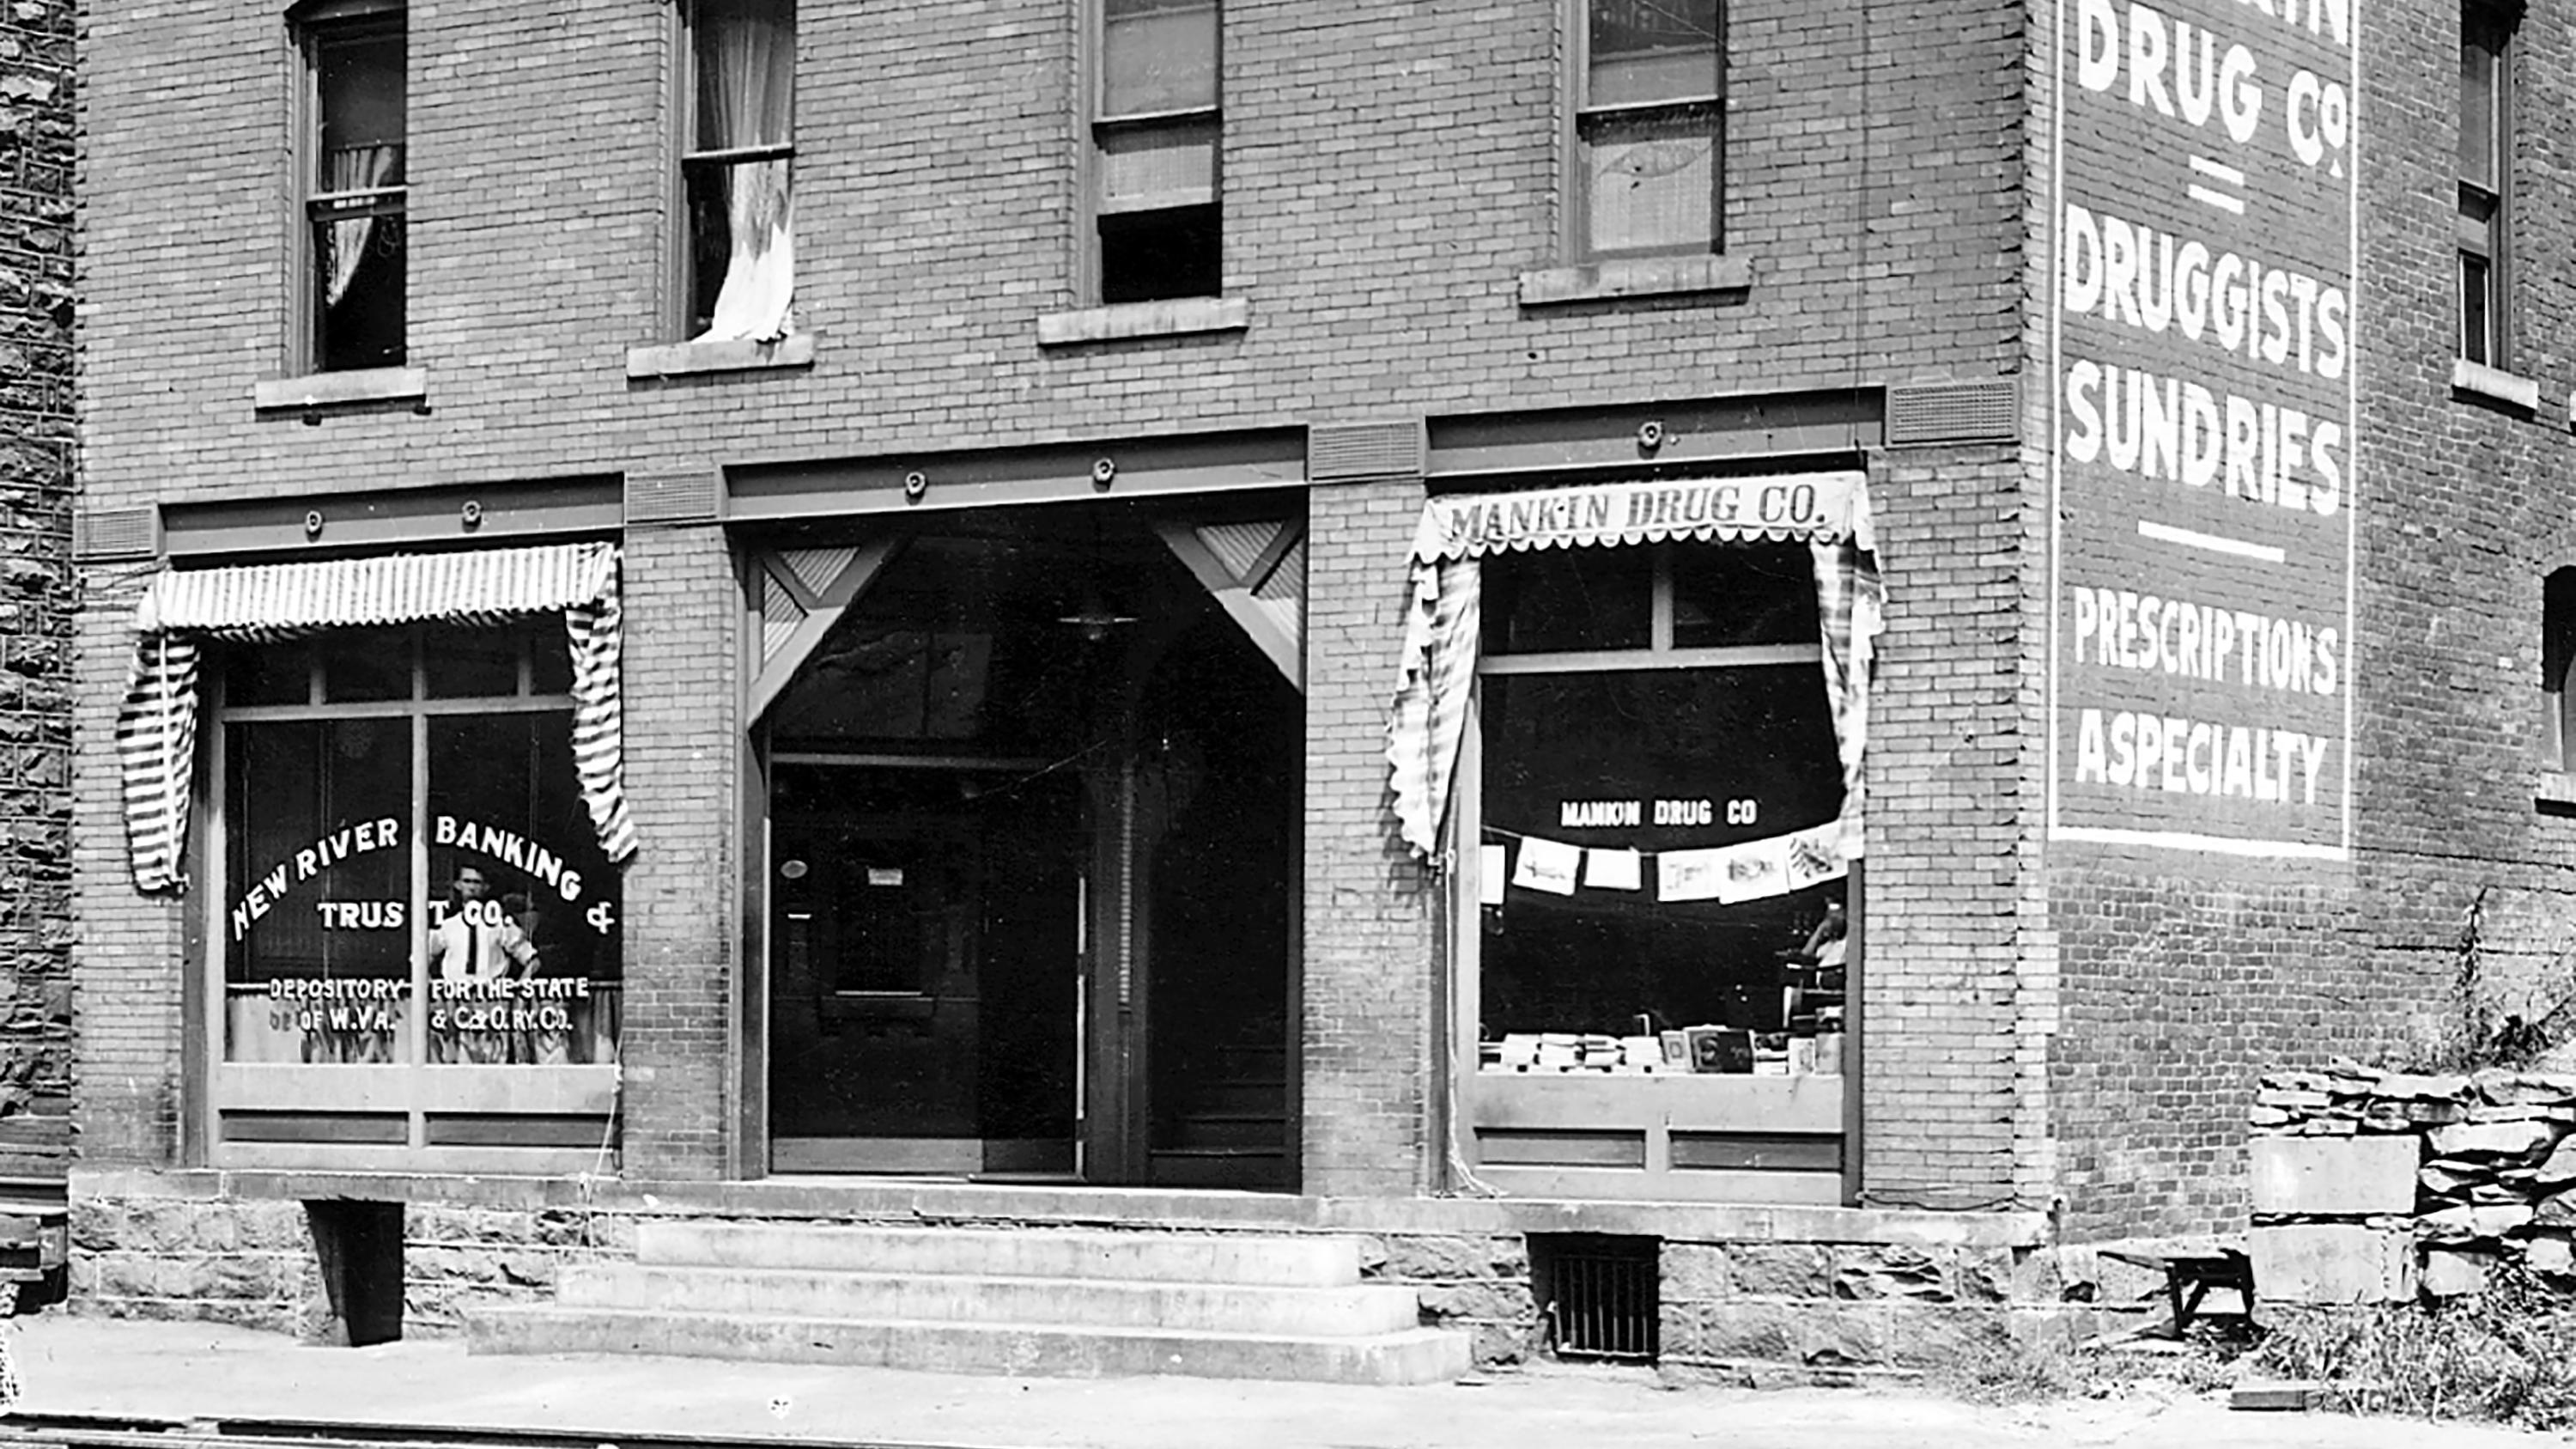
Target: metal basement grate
<point x="1597" y="1294"/>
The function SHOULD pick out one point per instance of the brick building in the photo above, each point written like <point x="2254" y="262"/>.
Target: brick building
<point x="736" y="609"/>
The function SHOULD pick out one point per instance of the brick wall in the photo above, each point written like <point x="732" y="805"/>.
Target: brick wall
<point x="2181" y="982"/>
<point x="683" y="886"/>
<point x="1939" y="990"/>
<point x="1379" y="254"/>
<point x="1371" y="978"/>
<point x="1389" y="173"/>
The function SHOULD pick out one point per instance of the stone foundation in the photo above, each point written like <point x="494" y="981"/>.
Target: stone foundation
<point x="1770" y="1294"/>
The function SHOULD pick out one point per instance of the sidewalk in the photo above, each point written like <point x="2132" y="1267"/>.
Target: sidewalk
<point x="179" y="1371"/>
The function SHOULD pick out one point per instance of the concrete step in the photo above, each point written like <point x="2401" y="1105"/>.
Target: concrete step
<point x="1238" y="1258"/>
<point x="955" y="1298"/>
<point x="1408" y="1356"/>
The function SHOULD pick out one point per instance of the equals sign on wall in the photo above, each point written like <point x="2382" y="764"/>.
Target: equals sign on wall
<point x="2217" y="185"/>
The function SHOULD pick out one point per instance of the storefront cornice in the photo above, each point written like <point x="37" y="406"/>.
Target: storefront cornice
<point x="326" y="524"/>
<point x="1701" y="436"/>
<point x="999" y="477"/>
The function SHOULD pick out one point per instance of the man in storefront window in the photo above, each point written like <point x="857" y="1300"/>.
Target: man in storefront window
<point x="476" y="941"/>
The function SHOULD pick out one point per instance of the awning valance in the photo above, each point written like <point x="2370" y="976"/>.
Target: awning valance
<point x="1443" y="619"/>
<point x="156" y="730"/>
<point x="1784" y="507"/>
<point x="276" y="601"/>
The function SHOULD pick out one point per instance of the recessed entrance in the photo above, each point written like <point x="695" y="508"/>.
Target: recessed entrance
<point x="1032" y="782"/>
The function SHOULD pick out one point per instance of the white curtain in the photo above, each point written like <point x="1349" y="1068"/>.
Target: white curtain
<point x="746" y="93"/>
<point x="353" y="168"/>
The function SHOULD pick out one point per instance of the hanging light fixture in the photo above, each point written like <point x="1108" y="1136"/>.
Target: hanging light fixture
<point x="1094" y="615"/>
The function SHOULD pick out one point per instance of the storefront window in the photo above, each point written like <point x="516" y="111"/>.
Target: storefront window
<point x="409" y="871"/>
<point x="1658" y="822"/>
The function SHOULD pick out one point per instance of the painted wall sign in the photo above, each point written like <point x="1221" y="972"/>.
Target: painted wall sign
<point x="2203" y="383"/>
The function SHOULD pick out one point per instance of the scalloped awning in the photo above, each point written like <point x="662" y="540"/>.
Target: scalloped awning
<point x="1781" y="507"/>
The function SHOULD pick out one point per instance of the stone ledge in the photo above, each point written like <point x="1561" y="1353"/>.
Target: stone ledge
<point x="682" y="359"/>
<point x="1175" y="318"/>
<point x="340" y="389"/>
<point x="2494" y="384"/>
<point x="1635" y="277"/>
<point x="970" y="1202"/>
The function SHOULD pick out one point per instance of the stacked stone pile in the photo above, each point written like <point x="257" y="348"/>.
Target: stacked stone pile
<point x="2369" y="1186"/>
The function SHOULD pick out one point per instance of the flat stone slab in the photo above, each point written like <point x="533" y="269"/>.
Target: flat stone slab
<point x="2331" y="1263"/>
<point x="2336" y="1176"/>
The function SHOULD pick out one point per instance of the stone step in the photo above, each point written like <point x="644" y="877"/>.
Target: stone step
<point x="1407" y="1356"/>
<point x="1220" y="1258"/>
<point x="1360" y="1309"/>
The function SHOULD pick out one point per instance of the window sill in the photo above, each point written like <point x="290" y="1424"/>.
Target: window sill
<point x="682" y="359"/>
<point x="2557" y="787"/>
<point x="1636" y="277"/>
<point x="340" y="389"/>
<point x="2494" y="384"/>
<point x="1144" y="319"/>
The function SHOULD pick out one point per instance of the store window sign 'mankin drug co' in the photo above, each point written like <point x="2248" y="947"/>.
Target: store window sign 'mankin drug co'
<point x="542" y="866"/>
<point x="2202" y="376"/>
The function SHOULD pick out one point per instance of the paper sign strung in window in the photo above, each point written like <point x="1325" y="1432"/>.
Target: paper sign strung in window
<point x="1754" y="870"/>
<point x="1816" y="855"/>
<point x="1687" y="875"/>
<point x="1548" y="865"/>
<point x="1493" y="866"/>
<point x="1613" y="870"/>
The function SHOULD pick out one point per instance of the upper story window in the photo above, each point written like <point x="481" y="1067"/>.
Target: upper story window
<point x="2557" y="659"/>
<point x="354" y="188"/>
<point x="1649" y="128"/>
<point x="2486" y="118"/>
<point x="739" y="263"/>
<point x="1155" y="125"/>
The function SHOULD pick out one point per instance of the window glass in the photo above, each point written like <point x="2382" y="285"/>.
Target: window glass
<point x="2479" y="47"/>
<point x="1650" y="179"/>
<point x="1157" y="56"/>
<point x="464" y="663"/>
<point x="357" y="189"/>
<point x="1569" y="598"/>
<point x="1656" y="762"/>
<point x="361" y="666"/>
<point x="277" y="674"/>
<point x="1754" y="593"/>
<point x="318" y="910"/>
<point x="515" y="931"/>
<point x="1156" y="215"/>
<point x="523" y="938"/>
<point x="741" y="252"/>
<point x="1645" y="51"/>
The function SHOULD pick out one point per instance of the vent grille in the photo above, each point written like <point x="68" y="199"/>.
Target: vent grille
<point x="1953" y="412"/>
<point x="114" y="533"/>
<point x="674" y="497"/>
<point x="1598" y="1295"/>
<point x="1346" y="451"/>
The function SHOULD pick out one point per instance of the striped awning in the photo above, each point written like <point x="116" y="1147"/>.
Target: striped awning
<point x="1443" y="625"/>
<point x="156" y="729"/>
